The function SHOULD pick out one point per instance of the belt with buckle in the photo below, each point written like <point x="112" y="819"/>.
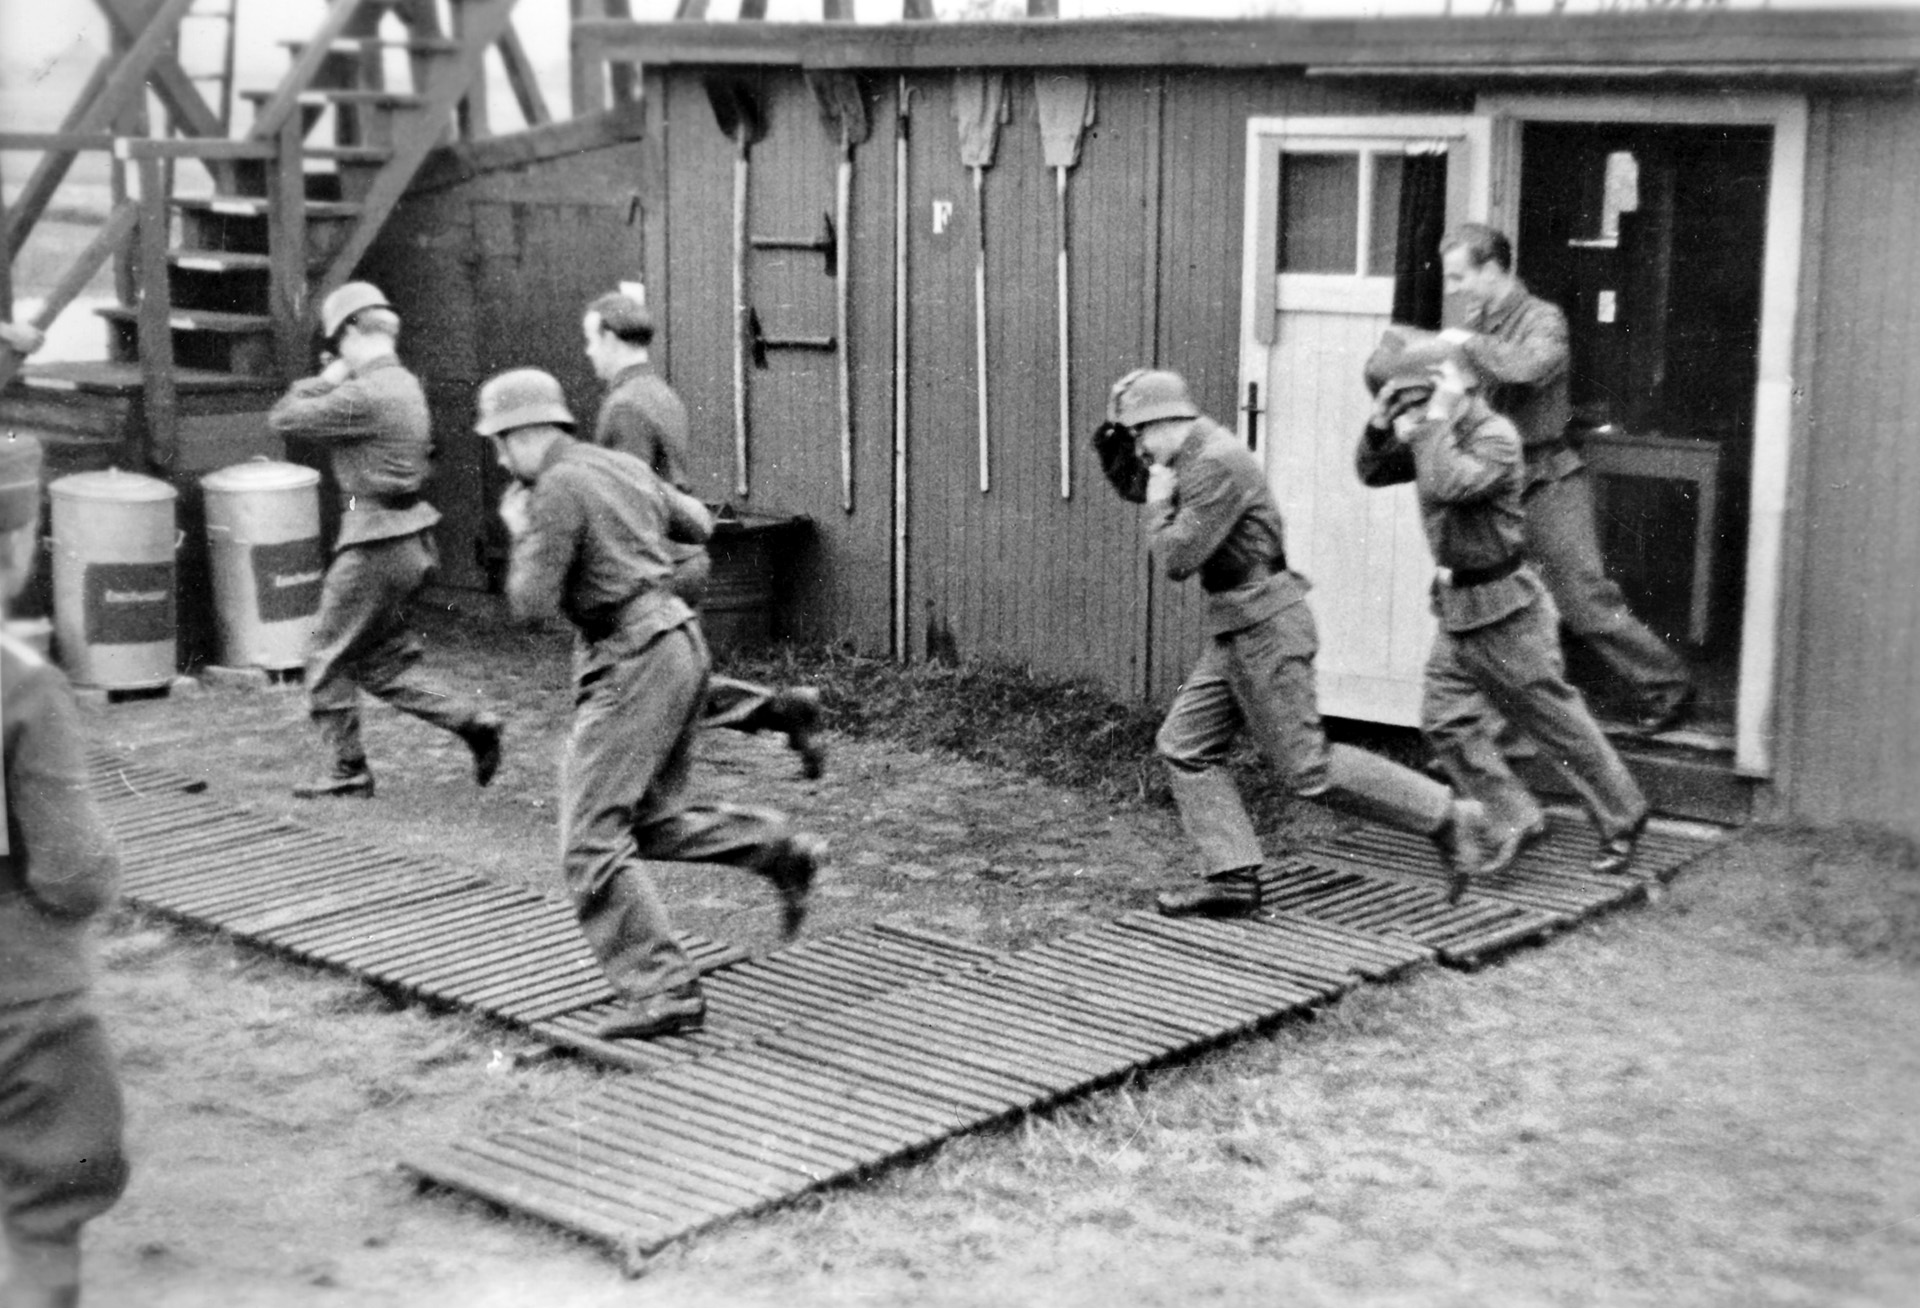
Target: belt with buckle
<point x="1463" y="578"/>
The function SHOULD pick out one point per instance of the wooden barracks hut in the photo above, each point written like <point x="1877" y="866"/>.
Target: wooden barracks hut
<point x="896" y="268"/>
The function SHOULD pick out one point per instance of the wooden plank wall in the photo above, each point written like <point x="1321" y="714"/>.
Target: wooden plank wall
<point x="839" y="583"/>
<point x="1850" y="706"/>
<point x="494" y="274"/>
<point x="1015" y="573"/>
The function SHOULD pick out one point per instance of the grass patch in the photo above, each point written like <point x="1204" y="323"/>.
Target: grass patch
<point x="1065" y="732"/>
<point x="1854" y="889"/>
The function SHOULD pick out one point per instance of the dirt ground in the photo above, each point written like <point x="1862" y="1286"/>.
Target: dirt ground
<point x="1711" y="1100"/>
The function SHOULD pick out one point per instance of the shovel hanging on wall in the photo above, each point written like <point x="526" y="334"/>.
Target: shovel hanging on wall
<point x="844" y="106"/>
<point x="979" y="107"/>
<point x="1065" y="101"/>
<point x="737" y="112"/>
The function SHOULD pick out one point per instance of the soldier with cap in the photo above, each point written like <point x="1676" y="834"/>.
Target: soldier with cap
<point x="1518" y="342"/>
<point x="370" y="414"/>
<point x="642" y="416"/>
<point x="1210" y="515"/>
<point x="1498" y="630"/>
<point x="61" y="1160"/>
<point x="592" y="532"/>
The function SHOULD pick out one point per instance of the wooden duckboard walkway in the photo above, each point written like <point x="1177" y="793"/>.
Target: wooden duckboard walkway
<point x="840" y="1054"/>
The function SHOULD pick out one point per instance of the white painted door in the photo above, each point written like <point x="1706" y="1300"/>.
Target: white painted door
<point x="1323" y="216"/>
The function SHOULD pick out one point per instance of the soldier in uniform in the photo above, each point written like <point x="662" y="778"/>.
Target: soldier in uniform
<point x="1210" y="515"/>
<point x="642" y="416"/>
<point x="1498" y="630"/>
<point x="371" y="415"/>
<point x="1518" y="342"/>
<point x="60" y="1110"/>
<point x="592" y="530"/>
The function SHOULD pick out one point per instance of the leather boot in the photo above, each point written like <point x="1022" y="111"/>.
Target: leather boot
<point x="797" y="710"/>
<point x="1616" y="854"/>
<point x="348" y="778"/>
<point x="483" y="738"/>
<point x="1462" y="841"/>
<point x="671" y="1012"/>
<point x="792" y="872"/>
<point x="1506" y="852"/>
<point x="1233" y="893"/>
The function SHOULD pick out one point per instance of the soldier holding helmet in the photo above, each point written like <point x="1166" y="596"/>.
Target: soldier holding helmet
<point x="370" y="414"/>
<point x="1211" y="515"/>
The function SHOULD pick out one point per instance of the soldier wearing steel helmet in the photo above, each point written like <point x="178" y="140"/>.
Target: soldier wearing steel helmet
<point x="593" y="533"/>
<point x="370" y="414"/>
<point x="1211" y="516"/>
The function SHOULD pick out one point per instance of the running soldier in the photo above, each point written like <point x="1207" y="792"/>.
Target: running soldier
<point x="370" y="413"/>
<point x="1211" y="516"/>
<point x="642" y="416"/>
<point x="1498" y="629"/>
<point x="592" y="530"/>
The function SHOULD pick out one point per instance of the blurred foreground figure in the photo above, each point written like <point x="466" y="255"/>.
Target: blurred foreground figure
<point x="1210" y="515"/>
<point x="371" y="415"/>
<point x="592" y="533"/>
<point x="60" y="1114"/>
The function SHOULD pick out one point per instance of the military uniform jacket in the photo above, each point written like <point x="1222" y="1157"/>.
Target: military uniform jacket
<point x="377" y="431"/>
<point x="1468" y="473"/>
<point x="642" y="416"/>
<point x="60" y="867"/>
<point x="1223" y="525"/>
<point x="1520" y="347"/>
<point x="597" y="549"/>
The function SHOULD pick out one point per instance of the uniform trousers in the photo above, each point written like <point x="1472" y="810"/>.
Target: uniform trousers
<point x="364" y="642"/>
<point x="60" y="1135"/>
<point x="730" y="702"/>
<point x="623" y="800"/>
<point x="1515" y="664"/>
<point x="1261" y="678"/>
<point x="1564" y="547"/>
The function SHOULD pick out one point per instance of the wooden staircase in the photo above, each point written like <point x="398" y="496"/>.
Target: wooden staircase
<point x="218" y="290"/>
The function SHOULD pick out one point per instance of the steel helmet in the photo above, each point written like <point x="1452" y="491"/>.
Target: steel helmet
<point x="525" y="397"/>
<point x="346" y="301"/>
<point x="1149" y="395"/>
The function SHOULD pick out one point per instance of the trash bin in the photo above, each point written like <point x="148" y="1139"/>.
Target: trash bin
<point x="750" y="555"/>
<point x="113" y="541"/>
<point x="263" y="530"/>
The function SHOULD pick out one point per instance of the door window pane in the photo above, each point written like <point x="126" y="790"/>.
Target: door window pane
<point x="1388" y="171"/>
<point x="1319" y="213"/>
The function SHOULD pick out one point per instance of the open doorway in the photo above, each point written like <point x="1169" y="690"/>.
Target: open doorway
<point x="1651" y="237"/>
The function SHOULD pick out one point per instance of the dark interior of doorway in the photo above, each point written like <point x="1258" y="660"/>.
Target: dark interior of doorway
<point x="1650" y="237"/>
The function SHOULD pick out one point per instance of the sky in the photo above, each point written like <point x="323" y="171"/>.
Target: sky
<point x="34" y="34"/>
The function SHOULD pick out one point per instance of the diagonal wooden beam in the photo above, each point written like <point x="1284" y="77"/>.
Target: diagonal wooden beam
<point x="319" y="47"/>
<point x="109" y="238"/>
<point x="483" y="23"/>
<point x="122" y="88"/>
<point x="520" y="76"/>
<point x="176" y="90"/>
